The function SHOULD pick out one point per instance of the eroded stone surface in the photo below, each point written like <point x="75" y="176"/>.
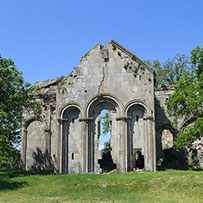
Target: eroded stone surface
<point x="167" y="139"/>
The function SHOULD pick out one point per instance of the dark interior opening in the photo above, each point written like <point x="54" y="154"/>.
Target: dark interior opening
<point x="138" y="160"/>
<point x="106" y="163"/>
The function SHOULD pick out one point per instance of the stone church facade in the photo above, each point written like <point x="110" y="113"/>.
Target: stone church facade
<point x="66" y="136"/>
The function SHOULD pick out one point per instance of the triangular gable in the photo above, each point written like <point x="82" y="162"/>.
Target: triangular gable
<point x="130" y="54"/>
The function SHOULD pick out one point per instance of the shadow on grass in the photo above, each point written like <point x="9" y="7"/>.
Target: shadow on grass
<point x="9" y="185"/>
<point x="21" y="173"/>
<point x="6" y="182"/>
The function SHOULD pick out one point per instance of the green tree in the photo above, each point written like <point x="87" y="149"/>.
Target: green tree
<point x="159" y="72"/>
<point x="197" y="61"/>
<point x="106" y="129"/>
<point x="105" y="124"/>
<point x="171" y="71"/>
<point x="187" y="102"/>
<point x="15" y="95"/>
<point x="175" y="69"/>
<point x="107" y="147"/>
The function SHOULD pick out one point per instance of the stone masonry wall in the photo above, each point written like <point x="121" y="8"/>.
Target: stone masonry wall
<point x="107" y="77"/>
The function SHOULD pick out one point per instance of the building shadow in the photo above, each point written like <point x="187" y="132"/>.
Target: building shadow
<point x="170" y="158"/>
<point x="42" y="161"/>
<point x="174" y="159"/>
<point x="11" y="185"/>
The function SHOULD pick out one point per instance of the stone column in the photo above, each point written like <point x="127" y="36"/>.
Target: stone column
<point x="128" y="143"/>
<point x="84" y="144"/>
<point x="58" y="161"/>
<point x="123" y="144"/>
<point x="150" y="142"/>
<point x="86" y="132"/>
<point x="24" y="148"/>
<point x="48" y="148"/>
<point x="150" y="145"/>
<point x="153" y="141"/>
<point x="146" y="142"/>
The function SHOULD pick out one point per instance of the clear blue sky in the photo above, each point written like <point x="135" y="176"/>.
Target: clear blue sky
<point x="47" y="38"/>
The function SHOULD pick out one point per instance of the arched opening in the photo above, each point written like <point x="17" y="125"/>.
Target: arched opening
<point x="71" y="141"/>
<point x="165" y="135"/>
<point x="100" y="158"/>
<point x="36" y="155"/>
<point x="106" y="161"/>
<point x="166" y="139"/>
<point x="167" y="156"/>
<point x="136" y="137"/>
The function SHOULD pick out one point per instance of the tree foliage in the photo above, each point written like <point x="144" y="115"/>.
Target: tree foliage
<point x="106" y="129"/>
<point x="107" y="147"/>
<point x="197" y="61"/>
<point x="171" y="71"/>
<point x="15" y="94"/>
<point x="105" y="124"/>
<point x="186" y="103"/>
<point x="175" y="69"/>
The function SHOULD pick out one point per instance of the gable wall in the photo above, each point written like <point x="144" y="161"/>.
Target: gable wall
<point x="94" y="76"/>
<point x="117" y="75"/>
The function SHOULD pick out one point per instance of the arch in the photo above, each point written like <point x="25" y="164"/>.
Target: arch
<point x="69" y="105"/>
<point x="138" y="107"/>
<point x="68" y="110"/>
<point x="93" y="111"/>
<point x="148" y="111"/>
<point x="70" y="139"/>
<point x="136" y="113"/>
<point x="167" y="127"/>
<point x="31" y="159"/>
<point x="159" y="134"/>
<point x="31" y="119"/>
<point x="109" y="98"/>
<point x="187" y="122"/>
<point x="34" y="139"/>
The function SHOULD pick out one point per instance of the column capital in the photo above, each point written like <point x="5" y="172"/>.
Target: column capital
<point x="86" y="119"/>
<point x="148" y="118"/>
<point x="123" y="118"/>
<point x="61" y="120"/>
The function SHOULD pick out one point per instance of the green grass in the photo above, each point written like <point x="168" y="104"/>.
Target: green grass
<point x="165" y="186"/>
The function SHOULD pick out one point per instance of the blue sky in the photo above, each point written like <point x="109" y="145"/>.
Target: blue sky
<point x="47" y="38"/>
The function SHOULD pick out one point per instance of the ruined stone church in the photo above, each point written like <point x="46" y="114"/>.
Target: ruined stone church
<point x="67" y="135"/>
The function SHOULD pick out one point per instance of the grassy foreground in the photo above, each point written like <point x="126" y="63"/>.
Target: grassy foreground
<point x="165" y="186"/>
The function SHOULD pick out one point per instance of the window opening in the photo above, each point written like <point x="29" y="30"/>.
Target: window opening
<point x="106" y="162"/>
<point x="166" y="139"/>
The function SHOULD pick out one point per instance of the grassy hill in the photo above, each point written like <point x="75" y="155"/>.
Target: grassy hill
<point x="166" y="186"/>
